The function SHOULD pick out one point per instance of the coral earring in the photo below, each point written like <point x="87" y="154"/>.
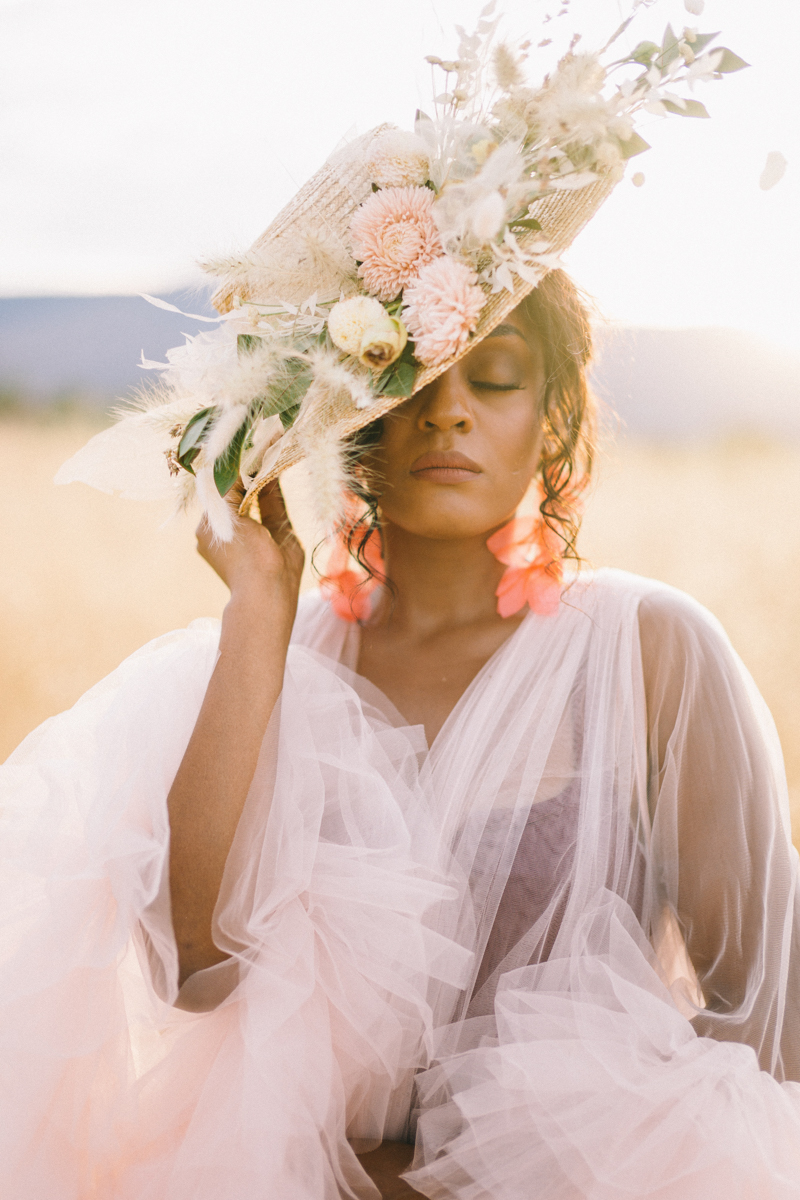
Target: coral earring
<point x="533" y="575"/>
<point x="349" y="591"/>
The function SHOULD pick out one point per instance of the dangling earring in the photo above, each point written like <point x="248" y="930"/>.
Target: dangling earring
<point x="531" y="552"/>
<point x="347" y="590"/>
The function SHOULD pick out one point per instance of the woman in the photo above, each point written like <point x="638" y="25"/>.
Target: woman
<point x="503" y="865"/>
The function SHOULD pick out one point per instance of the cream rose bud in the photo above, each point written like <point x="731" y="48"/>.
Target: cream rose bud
<point x="350" y="319"/>
<point x="398" y="159"/>
<point x="383" y="344"/>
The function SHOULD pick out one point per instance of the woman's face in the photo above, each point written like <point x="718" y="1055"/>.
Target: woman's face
<point x="456" y="459"/>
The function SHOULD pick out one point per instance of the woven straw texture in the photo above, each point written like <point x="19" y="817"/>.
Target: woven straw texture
<point x="331" y="197"/>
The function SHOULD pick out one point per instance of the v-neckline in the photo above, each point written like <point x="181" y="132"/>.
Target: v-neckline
<point x="389" y="708"/>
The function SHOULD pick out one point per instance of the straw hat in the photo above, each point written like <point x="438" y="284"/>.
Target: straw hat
<point x="397" y="257"/>
<point x="331" y="197"/>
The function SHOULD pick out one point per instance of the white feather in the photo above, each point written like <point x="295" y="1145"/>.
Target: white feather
<point x="125" y="460"/>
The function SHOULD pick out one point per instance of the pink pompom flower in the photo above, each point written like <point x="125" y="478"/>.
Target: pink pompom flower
<point x="442" y="306"/>
<point x="393" y="235"/>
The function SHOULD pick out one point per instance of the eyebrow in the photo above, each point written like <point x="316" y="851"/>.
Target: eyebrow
<point x="505" y="330"/>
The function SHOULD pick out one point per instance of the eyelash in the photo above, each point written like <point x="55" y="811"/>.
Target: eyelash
<point x="480" y="386"/>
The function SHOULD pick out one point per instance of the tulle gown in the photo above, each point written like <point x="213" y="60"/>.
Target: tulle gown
<point x="559" y="945"/>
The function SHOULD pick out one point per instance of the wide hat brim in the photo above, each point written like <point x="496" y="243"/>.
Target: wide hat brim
<point x="331" y="197"/>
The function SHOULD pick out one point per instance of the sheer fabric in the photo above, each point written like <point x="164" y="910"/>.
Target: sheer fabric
<point x="561" y="942"/>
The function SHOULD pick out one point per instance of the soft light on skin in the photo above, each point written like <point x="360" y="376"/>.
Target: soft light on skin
<point x="430" y="634"/>
<point x="486" y="407"/>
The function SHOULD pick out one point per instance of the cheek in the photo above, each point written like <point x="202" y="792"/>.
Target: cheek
<point x="508" y="446"/>
<point x="516" y="432"/>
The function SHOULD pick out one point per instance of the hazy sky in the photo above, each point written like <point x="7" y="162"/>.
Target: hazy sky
<point x="136" y="135"/>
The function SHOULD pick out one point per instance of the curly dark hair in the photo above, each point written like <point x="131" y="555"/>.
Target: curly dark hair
<point x="556" y="314"/>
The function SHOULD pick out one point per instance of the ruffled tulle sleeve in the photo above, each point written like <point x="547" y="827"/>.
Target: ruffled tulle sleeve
<point x="84" y="818"/>
<point x="627" y="1059"/>
<point x="722" y="860"/>
<point x="251" y="1080"/>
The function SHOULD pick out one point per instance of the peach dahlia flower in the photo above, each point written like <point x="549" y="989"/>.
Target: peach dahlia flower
<point x="441" y="309"/>
<point x="394" y="235"/>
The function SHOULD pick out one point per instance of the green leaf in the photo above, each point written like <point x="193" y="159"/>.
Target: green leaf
<point x="226" y="468"/>
<point x="701" y="41"/>
<point x="193" y="436"/>
<point x="669" y="48"/>
<point x="288" y="416"/>
<point x="398" y="379"/>
<point x="246" y="343"/>
<point x="287" y="390"/>
<point x="693" y="108"/>
<point x="645" y="52"/>
<point x="525" y="223"/>
<point x="730" y="62"/>
<point x="633" y="145"/>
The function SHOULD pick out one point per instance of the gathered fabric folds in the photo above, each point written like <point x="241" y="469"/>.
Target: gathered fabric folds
<point x="561" y="944"/>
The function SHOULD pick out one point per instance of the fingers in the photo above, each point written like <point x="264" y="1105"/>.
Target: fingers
<point x="274" y="516"/>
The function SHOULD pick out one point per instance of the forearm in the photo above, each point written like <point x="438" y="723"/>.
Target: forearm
<point x="212" y="782"/>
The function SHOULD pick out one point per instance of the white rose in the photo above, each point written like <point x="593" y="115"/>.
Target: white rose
<point x="383" y="343"/>
<point x="398" y="159"/>
<point x="350" y="319"/>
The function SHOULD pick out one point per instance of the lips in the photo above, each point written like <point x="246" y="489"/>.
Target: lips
<point x="445" y="466"/>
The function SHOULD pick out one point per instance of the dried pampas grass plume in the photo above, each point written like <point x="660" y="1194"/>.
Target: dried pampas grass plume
<point x="508" y="70"/>
<point x="330" y="476"/>
<point x="218" y="511"/>
<point x="315" y="263"/>
<point x="325" y="452"/>
<point x="338" y="381"/>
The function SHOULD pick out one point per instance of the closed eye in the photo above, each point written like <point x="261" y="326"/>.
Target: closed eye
<point x="482" y="385"/>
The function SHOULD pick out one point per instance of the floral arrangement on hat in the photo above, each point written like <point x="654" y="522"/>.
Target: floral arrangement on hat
<point x="332" y="318"/>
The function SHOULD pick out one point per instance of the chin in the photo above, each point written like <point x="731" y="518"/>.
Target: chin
<point x="445" y="518"/>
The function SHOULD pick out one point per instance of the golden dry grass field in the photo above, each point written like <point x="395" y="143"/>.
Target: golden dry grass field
<point x="87" y="578"/>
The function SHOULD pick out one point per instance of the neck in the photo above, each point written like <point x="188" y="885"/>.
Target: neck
<point x="438" y="583"/>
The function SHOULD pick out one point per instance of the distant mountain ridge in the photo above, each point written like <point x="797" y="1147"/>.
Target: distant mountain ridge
<point x="680" y="383"/>
<point x="662" y="383"/>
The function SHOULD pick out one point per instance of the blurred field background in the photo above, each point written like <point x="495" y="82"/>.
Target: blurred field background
<point x="88" y="578"/>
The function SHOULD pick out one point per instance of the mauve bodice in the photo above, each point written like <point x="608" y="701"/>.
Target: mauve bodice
<point x="543" y="859"/>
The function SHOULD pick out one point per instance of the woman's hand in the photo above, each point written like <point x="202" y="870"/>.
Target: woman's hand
<point x="262" y="566"/>
<point x="264" y="559"/>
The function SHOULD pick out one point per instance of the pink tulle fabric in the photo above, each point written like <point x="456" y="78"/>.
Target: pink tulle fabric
<point x="533" y="574"/>
<point x="560" y="945"/>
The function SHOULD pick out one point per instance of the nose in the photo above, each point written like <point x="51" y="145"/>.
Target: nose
<point x="444" y="405"/>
